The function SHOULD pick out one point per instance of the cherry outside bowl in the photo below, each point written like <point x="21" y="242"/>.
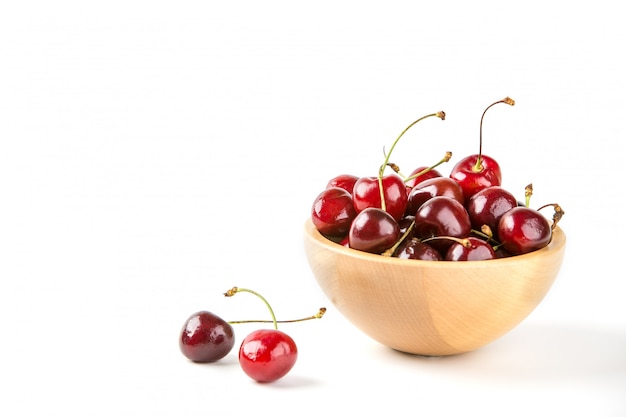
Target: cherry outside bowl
<point x="432" y="308"/>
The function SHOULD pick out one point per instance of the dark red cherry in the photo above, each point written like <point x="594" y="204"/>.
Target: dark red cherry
<point x="373" y="230"/>
<point x="345" y="181"/>
<point x="425" y="173"/>
<point x="405" y="223"/>
<point x="414" y="249"/>
<point x="488" y="205"/>
<point x="366" y="194"/>
<point x="205" y="337"/>
<point x="441" y="216"/>
<point x="332" y="212"/>
<point x="470" y="249"/>
<point x="267" y="355"/>
<point x="413" y="181"/>
<point x="501" y="253"/>
<point x="523" y="230"/>
<point x="425" y="190"/>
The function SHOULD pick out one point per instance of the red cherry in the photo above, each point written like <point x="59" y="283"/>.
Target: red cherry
<point x="425" y="173"/>
<point x="373" y="230"/>
<point x="332" y="212"/>
<point x="523" y="230"/>
<point x="414" y="249"/>
<point x="470" y="249"/>
<point x="345" y="181"/>
<point x="267" y="355"/>
<point x="425" y="190"/>
<point x="479" y="171"/>
<point x="488" y="205"/>
<point x="473" y="180"/>
<point x="441" y="216"/>
<point x="205" y="337"/>
<point x="366" y="194"/>
<point x="413" y="181"/>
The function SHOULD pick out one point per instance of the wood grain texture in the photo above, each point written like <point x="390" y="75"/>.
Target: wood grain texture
<point x="432" y="308"/>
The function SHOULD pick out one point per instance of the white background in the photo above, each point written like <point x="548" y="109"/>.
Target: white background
<point x="155" y="154"/>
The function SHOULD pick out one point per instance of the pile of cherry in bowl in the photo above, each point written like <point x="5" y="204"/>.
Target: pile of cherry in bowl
<point x="465" y="216"/>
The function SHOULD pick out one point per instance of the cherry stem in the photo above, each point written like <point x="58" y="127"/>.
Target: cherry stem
<point x="235" y="290"/>
<point x="558" y="213"/>
<point x="381" y="170"/>
<point x="465" y="242"/>
<point x="528" y="192"/>
<point x="445" y="159"/>
<point x="318" y="315"/>
<point x="486" y="233"/>
<point x="394" y="167"/>
<point x="478" y="167"/>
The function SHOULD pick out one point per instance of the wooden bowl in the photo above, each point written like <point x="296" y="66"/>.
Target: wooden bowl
<point x="432" y="308"/>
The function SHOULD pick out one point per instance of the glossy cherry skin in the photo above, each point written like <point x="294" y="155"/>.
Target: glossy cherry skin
<point x="472" y="181"/>
<point x="414" y="249"/>
<point x="405" y="223"/>
<point x="425" y="190"/>
<point x="441" y="216"/>
<point x="373" y="230"/>
<point x="332" y="212"/>
<point x="267" y="355"/>
<point x="345" y="181"/>
<point x="488" y="205"/>
<point x="477" y="250"/>
<point x="433" y="173"/>
<point x="366" y="194"/>
<point x="205" y="337"/>
<point x="523" y="230"/>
